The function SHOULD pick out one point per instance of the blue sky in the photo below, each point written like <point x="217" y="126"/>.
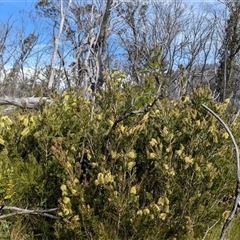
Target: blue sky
<point x="19" y="9"/>
<point x="14" y="8"/>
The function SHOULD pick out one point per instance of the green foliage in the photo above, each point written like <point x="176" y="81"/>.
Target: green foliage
<point x="117" y="169"/>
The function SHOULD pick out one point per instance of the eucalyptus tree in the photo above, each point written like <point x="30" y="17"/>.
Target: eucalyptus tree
<point x="81" y="40"/>
<point x="226" y="81"/>
<point x="173" y="38"/>
<point x="17" y="53"/>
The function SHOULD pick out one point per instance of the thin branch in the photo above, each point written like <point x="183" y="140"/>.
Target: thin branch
<point x="20" y="211"/>
<point x="209" y="229"/>
<point x="237" y="191"/>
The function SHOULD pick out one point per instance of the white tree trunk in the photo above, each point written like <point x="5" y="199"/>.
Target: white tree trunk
<point x="56" y="42"/>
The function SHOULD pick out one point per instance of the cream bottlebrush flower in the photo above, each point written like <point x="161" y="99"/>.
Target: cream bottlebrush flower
<point x="153" y="142"/>
<point x="146" y="211"/>
<point x="63" y="188"/>
<point x="66" y="200"/>
<point x="133" y="190"/>
<point x="131" y="165"/>
<point x="165" y="131"/>
<point x="100" y="178"/>
<point x="166" y="167"/>
<point x="131" y="155"/>
<point x="108" y="178"/>
<point x="152" y="155"/>
<point x="188" y="160"/>
<point x="162" y="216"/>
<point x="110" y="122"/>
<point x="140" y="212"/>
<point x="180" y="151"/>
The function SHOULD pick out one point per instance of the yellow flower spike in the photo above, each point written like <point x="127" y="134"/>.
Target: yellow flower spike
<point x="186" y="99"/>
<point x="7" y="120"/>
<point x="114" y="154"/>
<point x="145" y="117"/>
<point x="73" y="148"/>
<point x="68" y="165"/>
<point x="165" y="131"/>
<point x="74" y="192"/>
<point x="140" y="212"/>
<point x="108" y="178"/>
<point x="168" y="149"/>
<point x="60" y="214"/>
<point x="131" y="155"/>
<point x="66" y="211"/>
<point x="171" y="173"/>
<point x="31" y="119"/>
<point x="180" y="151"/>
<point x="133" y="190"/>
<point x="100" y="178"/>
<point x="122" y="128"/>
<point x="162" y="216"/>
<point x="152" y="155"/>
<point x="156" y="207"/>
<point x="89" y="156"/>
<point x="146" y="211"/>
<point x="110" y="122"/>
<point x="165" y="166"/>
<point x="25" y="122"/>
<point x="25" y="131"/>
<point x="153" y="142"/>
<point x="198" y="123"/>
<point x="75" y="218"/>
<point x="96" y="182"/>
<point x="75" y="181"/>
<point x="68" y="183"/>
<point x="2" y="141"/>
<point x="197" y="168"/>
<point x="131" y="165"/>
<point x="188" y="160"/>
<point x="63" y="188"/>
<point x="160" y="201"/>
<point x="66" y="200"/>
<point x="166" y="209"/>
<point x="227" y="100"/>
<point x="99" y="117"/>
<point x="209" y="166"/>
<point x="171" y="136"/>
<point x="225" y="135"/>
<point x="166" y="200"/>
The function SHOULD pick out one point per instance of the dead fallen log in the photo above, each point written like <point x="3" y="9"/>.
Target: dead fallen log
<point x="28" y="103"/>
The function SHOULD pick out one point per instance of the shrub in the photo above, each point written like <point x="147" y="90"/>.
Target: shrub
<point x="119" y="167"/>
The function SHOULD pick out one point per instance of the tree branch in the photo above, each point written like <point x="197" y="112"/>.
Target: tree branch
<point x="237" y="191"/>
<point x="19" y="211"/>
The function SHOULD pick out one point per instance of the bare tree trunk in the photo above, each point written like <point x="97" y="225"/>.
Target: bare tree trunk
<point x="225" y="84"/>
<point x="56" y="42"/>
<point x="100" y="45"/>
